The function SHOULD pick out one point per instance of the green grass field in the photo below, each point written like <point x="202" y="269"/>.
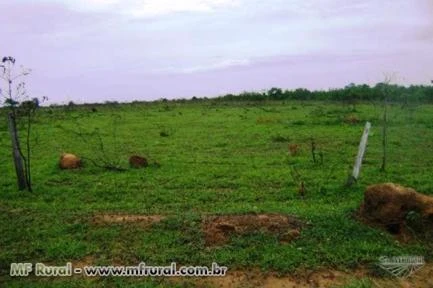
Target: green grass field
<point x="215" y="158"/>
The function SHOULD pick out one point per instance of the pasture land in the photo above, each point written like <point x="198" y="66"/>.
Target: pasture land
<point x="208" y="158"/>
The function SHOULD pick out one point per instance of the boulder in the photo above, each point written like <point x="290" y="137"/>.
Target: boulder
<point x="390" y="204"/>
<point x="69" y="161"/>
<point x="136" y="161"/>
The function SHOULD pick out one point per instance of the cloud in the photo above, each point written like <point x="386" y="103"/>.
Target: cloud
<point x="79" y="46"/>
<point x="148" y="8"/>
<point x="216" y="65"/>
<point x="152" y="8"/>
<point x="33" y="19"/>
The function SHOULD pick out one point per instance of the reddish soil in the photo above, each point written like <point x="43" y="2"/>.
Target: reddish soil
<point x="219" y="229"/>
<point x="145" y="220"/>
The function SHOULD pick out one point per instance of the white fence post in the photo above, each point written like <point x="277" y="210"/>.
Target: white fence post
<point x="358" y="162"/>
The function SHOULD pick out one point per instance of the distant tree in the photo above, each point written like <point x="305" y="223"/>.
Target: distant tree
<point x="275" y="94"/>
<point x="302" y="94"/>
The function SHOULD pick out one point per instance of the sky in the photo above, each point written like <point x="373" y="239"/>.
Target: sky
<point x="126" y="50"/>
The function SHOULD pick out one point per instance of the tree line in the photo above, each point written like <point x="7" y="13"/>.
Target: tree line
<point x="351" y="92"/>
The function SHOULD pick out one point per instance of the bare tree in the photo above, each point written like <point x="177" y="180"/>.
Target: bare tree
<point x="20" y="108"/>
<point x="103" y="155"/>
<point x="385" y="92"/>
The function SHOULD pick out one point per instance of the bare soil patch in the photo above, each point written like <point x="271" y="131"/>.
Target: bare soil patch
<point x="145" y="220"/>
<point x="86" y="261"/>
<point x="255" y="278"/>
<point x="321" y="278"/>
<point x="218" y="229"/>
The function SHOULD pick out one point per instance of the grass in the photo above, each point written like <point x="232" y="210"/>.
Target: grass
<point x="215" y="158"/>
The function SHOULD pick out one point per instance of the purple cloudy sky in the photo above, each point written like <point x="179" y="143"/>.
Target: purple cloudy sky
<point x="124" y="50"/>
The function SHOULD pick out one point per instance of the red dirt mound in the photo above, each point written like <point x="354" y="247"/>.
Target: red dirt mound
<point x="389" y="205"/>
<point x="69" y="161"/>
<point x="218" y="229"/>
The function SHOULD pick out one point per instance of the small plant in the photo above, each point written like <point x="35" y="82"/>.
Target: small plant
<point x="101" y="157"/>
<point x="298" y="179"/>
<point x="324" y="181"/>
<point x="313" y="150"/>
<point x="317" y="156"/>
